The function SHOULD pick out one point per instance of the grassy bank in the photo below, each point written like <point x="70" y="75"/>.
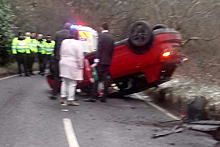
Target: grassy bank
<point x="12" y="68"/>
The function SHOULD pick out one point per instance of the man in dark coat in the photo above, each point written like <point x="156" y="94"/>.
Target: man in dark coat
<point x="60" y="36"/>
<point x="103" y="61"/>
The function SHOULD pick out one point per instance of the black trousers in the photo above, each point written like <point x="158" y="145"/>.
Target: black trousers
<point x="41" y="59"/>
<point x="56" y="82"/>
<point x="21" y="59"/>
<point x="103" y="72"/>
<point x="30" y="62"/>
<point x="48" y="61"/>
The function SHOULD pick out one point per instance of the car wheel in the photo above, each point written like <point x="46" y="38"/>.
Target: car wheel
<point x="140" y="33"/>
<point x="142" y="49"/>
<point x="159" y="26"/>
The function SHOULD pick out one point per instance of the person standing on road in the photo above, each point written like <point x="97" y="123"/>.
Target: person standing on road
<point x="28" y="36"/>
<point x="71" y="67"/>
<point x="49" y="45"/>
<point x="41" y="53"/>
<point x="14" y="41"/>
<point x="19" y="50"/>
<point x="32" y="43"/>
<point x="102" y="62"/>
<point x="59" y="37"/>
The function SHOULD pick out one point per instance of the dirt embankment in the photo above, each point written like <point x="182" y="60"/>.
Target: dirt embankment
<point x="188" y="82"/>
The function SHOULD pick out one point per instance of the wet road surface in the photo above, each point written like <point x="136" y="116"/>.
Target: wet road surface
<point x="28" y="118"/>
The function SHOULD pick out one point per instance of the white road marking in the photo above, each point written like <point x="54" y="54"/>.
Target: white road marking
<point x="64" y="110"/>
<point x="158" y="107"/>
<point x="8" y="77"/>
<point x="13" y="76"/>
<point x="70" y="135"/>
<point x="164" y="111"/>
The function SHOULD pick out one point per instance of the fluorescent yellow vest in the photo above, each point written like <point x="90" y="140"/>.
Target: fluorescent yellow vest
<point x="32" y="44"/>
<point x="13" y="46"/>
<point x="20" y="46"/>
<point x="41" y="47"/>
<point x="49" y="47"/>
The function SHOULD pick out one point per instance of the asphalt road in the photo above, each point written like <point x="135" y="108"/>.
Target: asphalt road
<point x="28" y="118"/>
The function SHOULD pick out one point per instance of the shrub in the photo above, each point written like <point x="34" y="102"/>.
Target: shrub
<point x="6" y="32"/>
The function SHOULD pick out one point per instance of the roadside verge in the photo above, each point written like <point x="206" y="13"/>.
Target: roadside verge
<point x="11" y="69"/>
<point x="176" y="94"/>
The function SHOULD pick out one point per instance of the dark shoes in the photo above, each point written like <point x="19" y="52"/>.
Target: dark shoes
<point x="103" y="100"/>
<point x="26" y="74"/>
<point x="62" y="100"/>
<point x="52" y="97"/>
<point x="94" y="100"/>
<point x="41" y="73"/>
<point x="89" y="100"/>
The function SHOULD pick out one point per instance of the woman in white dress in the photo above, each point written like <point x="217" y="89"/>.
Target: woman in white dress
<point x="71" y="67"/>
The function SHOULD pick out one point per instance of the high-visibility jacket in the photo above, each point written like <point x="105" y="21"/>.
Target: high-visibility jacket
<point x="49" y="47"/>
<point x="32" y="44"/>
<point x="41" y="47"/>
<point x="28" y="39"/>
<point x="13" y="46"/>
<point x="20" y="46"/>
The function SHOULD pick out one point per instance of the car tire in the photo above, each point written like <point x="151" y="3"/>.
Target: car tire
<point x="140" y="34"/>
<point x="136" y="42"/>
<point x="140" y="49"/>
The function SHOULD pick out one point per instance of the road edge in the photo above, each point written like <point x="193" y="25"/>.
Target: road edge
<point x="8" y="77"/>
<point x="174" y="117"/>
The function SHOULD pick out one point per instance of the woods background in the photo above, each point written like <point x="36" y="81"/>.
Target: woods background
<point x="197" y="20"/>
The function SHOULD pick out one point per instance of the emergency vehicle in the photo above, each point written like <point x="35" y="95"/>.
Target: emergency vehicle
<point x="88" y="36"/>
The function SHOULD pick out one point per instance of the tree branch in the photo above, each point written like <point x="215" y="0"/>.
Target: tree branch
<point x="198" y="38"/>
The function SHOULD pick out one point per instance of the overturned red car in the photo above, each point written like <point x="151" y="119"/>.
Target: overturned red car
<point x="147" y="58"/>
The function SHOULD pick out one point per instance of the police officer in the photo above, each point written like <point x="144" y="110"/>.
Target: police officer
<point x="28" y="35"/>
<point x="32" y="44"/>
<point x="49" y="45"/>
<point x="14" y="41"/>
<point x="19" y="50"/>
<point x="41" y="53"/>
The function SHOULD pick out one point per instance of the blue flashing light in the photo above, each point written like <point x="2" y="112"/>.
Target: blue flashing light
<point x="73" y="26"/>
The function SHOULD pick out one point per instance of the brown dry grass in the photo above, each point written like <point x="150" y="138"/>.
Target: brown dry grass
<point x="12" y="68"/>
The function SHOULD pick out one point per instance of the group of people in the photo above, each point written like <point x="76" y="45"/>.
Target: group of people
<point x="68" y="64"/>
<point x="67" y="60"/>
<point x="29" y="47"/>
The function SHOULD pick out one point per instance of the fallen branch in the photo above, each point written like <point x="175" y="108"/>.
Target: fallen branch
<point x="198" y="38"/>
